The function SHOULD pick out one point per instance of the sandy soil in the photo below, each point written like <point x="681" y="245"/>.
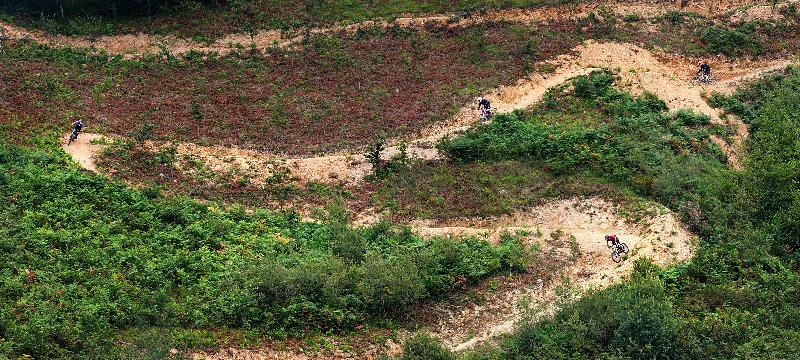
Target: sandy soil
<point x="82" y="150"/>
<point x="137" y="45"/>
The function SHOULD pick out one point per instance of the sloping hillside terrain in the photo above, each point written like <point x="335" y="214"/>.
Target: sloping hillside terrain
<point x="291" y="180"/>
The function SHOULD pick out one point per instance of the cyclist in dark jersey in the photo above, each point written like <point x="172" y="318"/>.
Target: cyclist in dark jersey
<point x="704" y="68"/>
<point x="78" y="126"/>
<point x="483" y="103"/>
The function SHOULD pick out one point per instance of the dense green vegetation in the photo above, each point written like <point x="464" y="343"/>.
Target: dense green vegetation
<point x="738" y="298"/>
<point x="84" y="258"/>
<point x="602" y="133"/>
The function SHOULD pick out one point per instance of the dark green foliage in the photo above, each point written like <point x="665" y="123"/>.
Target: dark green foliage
<point x="634" y="320"/>
<point x="424" y="347"/>
<point x="773" y="174"/>
<point x="80" y="7"/>
<point x="731" y="42"/>
<point x="748" y="100"/>
<point x="675" y="17"/>
<point x="84" y="258"/>
<point x="634" y="145"/>
<point x="215" y="17"/>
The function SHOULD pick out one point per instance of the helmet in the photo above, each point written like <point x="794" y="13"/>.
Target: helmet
<point x="479" y="99"/>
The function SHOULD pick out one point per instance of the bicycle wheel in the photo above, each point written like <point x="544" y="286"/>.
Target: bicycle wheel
<point x="615" y="256"/>
<point x="623" y="247"/>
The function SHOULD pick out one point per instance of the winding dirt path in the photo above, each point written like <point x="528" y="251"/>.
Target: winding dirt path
<point x="138" y="45"/>
<point x="570" y="234"/>
<point x="661" y="238"/>
<point x="639" y="71"/>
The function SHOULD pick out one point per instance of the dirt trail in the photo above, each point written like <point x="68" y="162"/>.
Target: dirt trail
<point x="137" y="45"/>
<point x="661" y="238"/>
<point x="639" y="70"/>
<point x="82" y="150"/>
<point x="569" y="232"/>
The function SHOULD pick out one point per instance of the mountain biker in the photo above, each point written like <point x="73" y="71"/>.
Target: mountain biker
<point x="483" y="103"/>
<point x="613" y="239"/>
<point x="77" y="127"/>
<point x="704" y="68"/>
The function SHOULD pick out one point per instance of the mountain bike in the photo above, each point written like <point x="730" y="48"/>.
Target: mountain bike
<point x="486" y="115"/>
<point x="703" y="78"/>
<point x="73" y="136"/>
<point x="617" y="250"/>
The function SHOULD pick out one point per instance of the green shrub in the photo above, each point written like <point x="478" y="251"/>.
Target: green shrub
<point x="424" y="347"/>
<point x="730" y="42"/>
<point x="632" y="18"/>
<point x="634" y="320"/>
<point x="675" y="17"/>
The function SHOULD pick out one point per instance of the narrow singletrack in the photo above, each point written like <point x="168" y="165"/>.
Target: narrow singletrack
<point x="570" y="232"/>
<point x="639" y="69"/>
<point x="138" y="45"/>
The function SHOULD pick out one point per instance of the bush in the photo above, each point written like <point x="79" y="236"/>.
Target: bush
<point x="93" y="7"/>
<point x="634" y="320"/>
<point x="730" y="42"/>
<point x="424" y="347"/>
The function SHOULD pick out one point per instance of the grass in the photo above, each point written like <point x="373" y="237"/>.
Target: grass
<point x="290" y="100"/>
<point x="447" y="191"/>
<point x="189" y="176"/>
